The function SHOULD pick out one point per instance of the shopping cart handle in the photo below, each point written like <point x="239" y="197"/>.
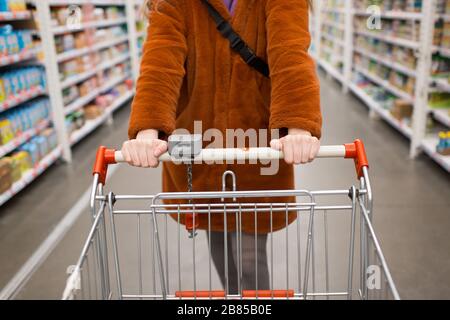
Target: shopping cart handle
<point x="353" y="150"/>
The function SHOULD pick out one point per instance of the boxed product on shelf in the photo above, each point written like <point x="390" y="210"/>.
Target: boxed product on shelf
<point x="70" y="94"/>
<point x="14" y="41"/>
<point x="32" y="148"/>
<point x="75" y="121"/>
<point x="6" y="179"/>
<point x="439" y="100"/>
<point x="50" y="135"/>
<point x="60" y="14"/>
<point x="27" y="115"/>
<point x="402" y="109"/>
<point x="443" y="146"/>
<point x="17" y="80"/>
<point x="6" y="131"/>
<point x="92" y="111"/>
<point x="12" y="5"/>
<point x="390" y="5"/>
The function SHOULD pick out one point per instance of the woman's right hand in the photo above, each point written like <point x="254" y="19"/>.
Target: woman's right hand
<point x="145" y="150"/>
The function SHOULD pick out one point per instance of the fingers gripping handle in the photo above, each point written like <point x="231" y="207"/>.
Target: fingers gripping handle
<point x="355" y="151"/>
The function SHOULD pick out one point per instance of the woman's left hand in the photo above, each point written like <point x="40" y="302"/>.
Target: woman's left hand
<point x="299" y="146"/>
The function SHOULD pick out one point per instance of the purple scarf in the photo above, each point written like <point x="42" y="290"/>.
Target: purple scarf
<point x="231" y="5"/>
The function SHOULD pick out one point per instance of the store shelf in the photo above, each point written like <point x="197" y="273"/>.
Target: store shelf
<point x="429" y="146"/>
<point x="445" y="52"/>
<point x="383" y="60"/>
<point x="331" y="70"/>
<point x="31" y="175"/>
<point x="23" y="137"/>
<point x="83" y="51"/>
<point x="14" y="16"/>
<point x="19" y="57"/>
<point x="385" y="84"/>
<point x="390" y="39"/>
<point x="90" y="73"/>
<point x="445" y="17"/>
<point x="140" y="34"/>
<point x="441" y="115"/>
<point x="385" y="114"/>
<point x="94" y="2"/>
<point x="333" y="39"/>
<point x="333" y="10"/>
<point x="91" y="125"/>
<point x="335" y="56"/>
<point x="334" y="25"/>
<point x="402" y="15"/>
<point x="442" y="84"/>
<point x="82" y="101"/>
<point x="87" y="25"/>
<point x="14" y="101"/>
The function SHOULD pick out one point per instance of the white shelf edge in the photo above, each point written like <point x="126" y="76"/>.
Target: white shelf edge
<point x="82" y="101"/>
<point x="331" y="70"/>
<point x="19" y="57"/>
<point x="94" y="2"/>
<point x="442" y="84"/>
<point x="334" y="25"/>
<point x="333" y="39"/>
<point x="429" y="147"/>
<point x="392" y="14"/>
<point x="392" y="65"/>
<point x="86" y="25"/>
<point x="6" y="16"/>
<point x="373" y="105"/>
<point x="17" y="100"/>
<point x="394" y="40"/>
<point x="83" y="51"/>
<point x="90" y="73"/>
<point x="385" y="84"/>
<point x="24" y="137"/>
<point x="91" y="125"/>
<point x="441" y="115"/>
<point x="31" y="175"/>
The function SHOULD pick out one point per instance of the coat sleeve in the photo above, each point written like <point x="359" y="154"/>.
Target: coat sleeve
<point x="162" y="70"/>
<point x="295" y="101"/>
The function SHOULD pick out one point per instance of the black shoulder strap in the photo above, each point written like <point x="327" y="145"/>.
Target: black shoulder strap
<point x="237" y="43"/>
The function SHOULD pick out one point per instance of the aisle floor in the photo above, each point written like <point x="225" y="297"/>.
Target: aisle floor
<point x="412" y="201"/>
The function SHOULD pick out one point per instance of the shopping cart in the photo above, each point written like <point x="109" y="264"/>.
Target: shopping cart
<point x="330" y="251"/>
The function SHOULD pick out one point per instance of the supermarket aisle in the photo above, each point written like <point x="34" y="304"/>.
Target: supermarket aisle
<point x="411" y="201"/>
<point x="27" y="219"/>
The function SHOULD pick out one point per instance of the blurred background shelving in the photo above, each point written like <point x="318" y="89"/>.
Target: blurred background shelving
<point x="394" y="56"/>
<point x="87" y="52"/>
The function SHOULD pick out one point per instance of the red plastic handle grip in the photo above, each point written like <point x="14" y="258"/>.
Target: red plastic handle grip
<point x="104" y="158"/>
<point x="357" y="152"/>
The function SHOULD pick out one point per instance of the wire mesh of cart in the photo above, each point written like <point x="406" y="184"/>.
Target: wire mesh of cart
<point x="330" y="251"/>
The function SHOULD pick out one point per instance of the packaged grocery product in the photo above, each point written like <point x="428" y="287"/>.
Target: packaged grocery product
<point x="6" y="180"/>
<point x="32" y="149"/>
<point x="6" y="131"/>
<point x="443" y="146"/>
<point x="5" y="166"/>
<point x="42" y="145"/>
<point x="50" y="135"/>
<point x="23" y="161"/>
<point x="92" y="111"/>
<point x="402" y="109"/>
<point x="16" y="174"/>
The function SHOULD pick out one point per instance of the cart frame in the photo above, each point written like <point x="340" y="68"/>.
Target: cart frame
<point x="91" y="277"/>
